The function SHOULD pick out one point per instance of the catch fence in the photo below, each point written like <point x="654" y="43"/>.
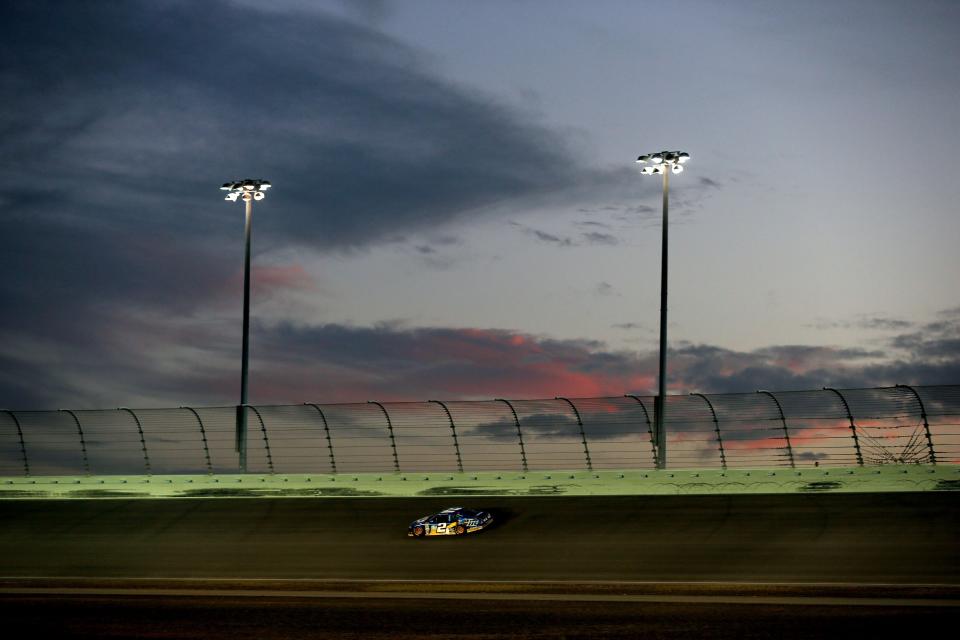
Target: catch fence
<point x="902" y="425"/>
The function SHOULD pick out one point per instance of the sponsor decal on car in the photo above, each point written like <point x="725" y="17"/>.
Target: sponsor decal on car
<point x="452" y="521"/>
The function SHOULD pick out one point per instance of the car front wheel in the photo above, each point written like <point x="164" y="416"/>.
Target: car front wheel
<point x="418" y="532"/>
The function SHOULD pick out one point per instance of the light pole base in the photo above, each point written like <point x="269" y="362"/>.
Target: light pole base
<point x="241" y="437"/>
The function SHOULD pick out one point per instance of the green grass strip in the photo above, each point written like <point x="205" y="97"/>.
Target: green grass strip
<point x="887" y="478"/>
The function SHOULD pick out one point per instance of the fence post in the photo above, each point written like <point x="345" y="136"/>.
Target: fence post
<point x="203" y="436"/>
<point x="583" y="436"/>
<point x="516" y="421"/>
<point x="783" y="420"/>
<point x="653" y="442"/>
<point x="326" y="430"/>
<point x="853" y="426"/>
<point x="926" y="425"/>
<point x="143" y="442"/>
<point x="23" y="446"/>
<point x="716" y="426"/>
<point x="266" y="442"/>
<point x="453" y="429"/>
<point x="393" y="441"/>
<point x="83" y="443"/>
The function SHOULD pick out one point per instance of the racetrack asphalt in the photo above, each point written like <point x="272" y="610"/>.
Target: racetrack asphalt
<point x="899" y="538"/>
<point x="229" y="618"/>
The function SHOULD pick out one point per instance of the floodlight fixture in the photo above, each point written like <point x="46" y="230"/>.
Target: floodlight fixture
<point x="247" y="189"/>
<point x="669" y="158"/>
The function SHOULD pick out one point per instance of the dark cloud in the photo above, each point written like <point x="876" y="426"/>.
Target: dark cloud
<point x="436" y="251"/>
<point x="498" y="430"/>
<point x="629" y="326"/>
<point x="593" y="223"/>
<point x="120" y="120"/>
<point x="594" y="237"/>
<point x="446" y="240"/>
<point x="543" y="236"/>
<point x="888" y="324"/>
<point x="935" y="342"/>
<point x="586" y="238"/>
<point x="141" y="109"/>
<point x="625" y="215"/>
<point x="336" y="363"/>
<point x="552" y="427"/>
<point x="784" y="368"/>
<point x="811" y="456"/>
<point x="602" y="210"/>
<point x="707" y="182"/>
<point x="885" y="324"/>
<point x="605" y="289"/>
<point x="921" y="344"/>
<point x="643" y="211"/>
<point x="549" y="237"/>
<point x="869" y="323"/>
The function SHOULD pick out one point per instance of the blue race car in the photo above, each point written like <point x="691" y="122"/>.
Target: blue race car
<point x="455" y="521"/>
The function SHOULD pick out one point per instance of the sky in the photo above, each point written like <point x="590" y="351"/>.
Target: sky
<point x="456" y="212"/>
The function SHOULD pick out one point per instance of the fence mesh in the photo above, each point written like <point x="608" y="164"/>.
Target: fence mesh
<point x="889" y="425"/>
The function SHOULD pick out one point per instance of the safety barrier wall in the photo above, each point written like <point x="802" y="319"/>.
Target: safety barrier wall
<point x="830" y="427"/>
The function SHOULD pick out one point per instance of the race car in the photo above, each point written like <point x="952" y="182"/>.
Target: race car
<point x="455" y="521"/>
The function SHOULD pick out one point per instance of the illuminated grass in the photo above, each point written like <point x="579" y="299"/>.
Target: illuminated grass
<point x="889" y="478"/>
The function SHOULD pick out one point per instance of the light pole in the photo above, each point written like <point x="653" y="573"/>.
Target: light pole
<point x="663" y="163"/>
<point x="247" y="190"/>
